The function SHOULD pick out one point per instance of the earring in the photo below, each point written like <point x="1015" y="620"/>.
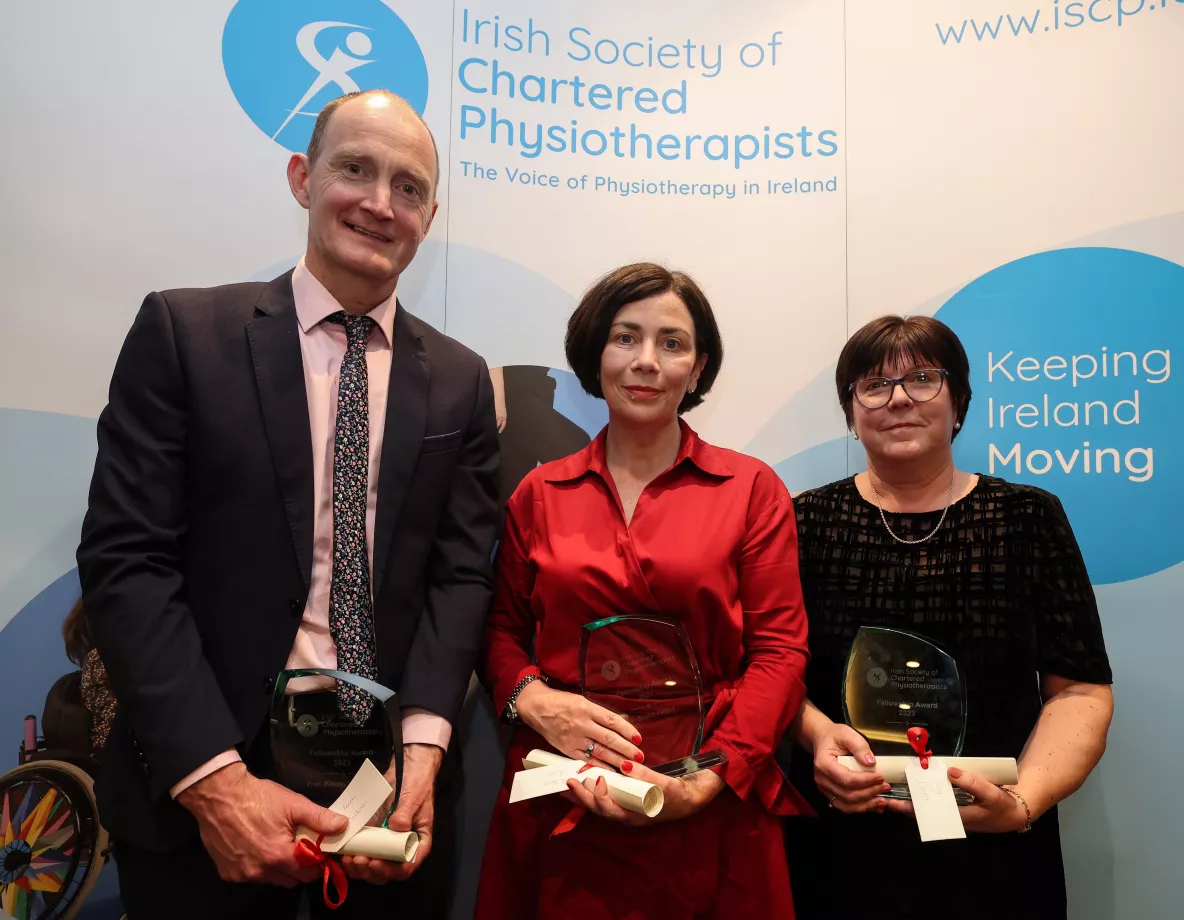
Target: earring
<point x="957" y="425"/>
<point x="691" y="389"/>
<point x="855" y="434"/>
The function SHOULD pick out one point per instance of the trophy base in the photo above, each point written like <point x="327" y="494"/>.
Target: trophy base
<point x="901" y="791"/>
<point x="685" y="766"/>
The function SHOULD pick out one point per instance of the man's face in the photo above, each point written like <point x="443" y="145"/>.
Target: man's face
<point x="370" y="194"/>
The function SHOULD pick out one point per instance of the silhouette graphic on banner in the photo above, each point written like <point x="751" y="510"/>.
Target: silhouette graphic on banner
<point x="537" y="430"/>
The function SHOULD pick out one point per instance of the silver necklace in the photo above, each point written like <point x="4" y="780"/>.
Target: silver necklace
<point x="941" y="520"/>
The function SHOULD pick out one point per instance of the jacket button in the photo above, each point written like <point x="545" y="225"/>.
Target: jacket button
<point x="295" y="607"/>
<point x="268" y="684"/>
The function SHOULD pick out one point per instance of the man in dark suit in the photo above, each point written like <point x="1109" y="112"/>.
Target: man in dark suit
<point x="290" y="474"/>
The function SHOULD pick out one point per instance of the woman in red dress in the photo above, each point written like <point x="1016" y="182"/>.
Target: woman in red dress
<point x="647" y="519"/>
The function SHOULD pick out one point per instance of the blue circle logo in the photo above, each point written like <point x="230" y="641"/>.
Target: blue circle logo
<point x="285" y="61"/>
<point x="1071" y="367"/>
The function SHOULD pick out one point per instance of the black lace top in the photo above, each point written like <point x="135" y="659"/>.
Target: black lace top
<point x="1003" y="587"/>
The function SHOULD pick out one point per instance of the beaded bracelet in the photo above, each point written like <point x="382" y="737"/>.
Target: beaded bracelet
<point x="1027" y="811"/>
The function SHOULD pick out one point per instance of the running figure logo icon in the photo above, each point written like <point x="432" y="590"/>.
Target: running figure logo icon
<point x="333" y="71"/>
<point x="284" y="62"/>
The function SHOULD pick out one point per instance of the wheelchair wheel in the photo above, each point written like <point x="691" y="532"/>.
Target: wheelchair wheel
<point x="52" y="847"/>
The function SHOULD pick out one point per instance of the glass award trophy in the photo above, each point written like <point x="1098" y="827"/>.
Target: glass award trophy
<point x="644" y="669"/>
<point x="318" y="747"/>
<point x="896" y="680"/>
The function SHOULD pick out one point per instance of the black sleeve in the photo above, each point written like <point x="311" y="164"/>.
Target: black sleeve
<point x="1068" y="628"/>
<point x="459" y="579"/>
<point x="129" y="561"/>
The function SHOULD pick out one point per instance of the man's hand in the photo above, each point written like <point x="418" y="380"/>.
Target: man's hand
<point x="415" y="812"/>
<point x="248" y="826"/>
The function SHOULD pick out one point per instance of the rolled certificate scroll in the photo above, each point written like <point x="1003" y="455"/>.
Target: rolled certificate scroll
<point x="631" y="794"/>
<point x="1000" y="771"/>
<point x="360" y="802"/>
<point x="382" y="843"/>
<point x="375" y="842"/>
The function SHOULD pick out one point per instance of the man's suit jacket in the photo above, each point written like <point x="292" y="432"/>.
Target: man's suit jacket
<point x="197" y="546"/>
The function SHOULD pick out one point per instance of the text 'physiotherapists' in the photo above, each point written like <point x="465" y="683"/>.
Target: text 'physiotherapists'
<point x="651" y="81"/>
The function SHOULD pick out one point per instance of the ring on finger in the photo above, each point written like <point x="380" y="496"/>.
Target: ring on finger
<point x="588" y="751"/>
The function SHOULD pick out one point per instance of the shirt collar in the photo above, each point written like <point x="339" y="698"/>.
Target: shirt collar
<point x="314" y="303"/>
<point x="692" y="451"/>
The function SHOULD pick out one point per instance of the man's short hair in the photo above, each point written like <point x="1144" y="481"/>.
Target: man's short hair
<point x="322" y="125"/>
<point x="588" y="327"/>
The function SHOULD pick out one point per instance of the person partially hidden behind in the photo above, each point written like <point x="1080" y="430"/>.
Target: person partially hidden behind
<point x="94" y="686"/>
<point x="296" y="473"/>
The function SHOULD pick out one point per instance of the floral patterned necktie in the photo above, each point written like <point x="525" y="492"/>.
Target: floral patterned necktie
<point x="351" y="621"/>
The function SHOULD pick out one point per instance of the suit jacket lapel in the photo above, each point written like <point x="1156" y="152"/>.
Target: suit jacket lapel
<point x="406" y="421"/>
<point x="274" y="337"/>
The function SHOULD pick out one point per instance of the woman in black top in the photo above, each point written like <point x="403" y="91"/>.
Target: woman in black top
<point x="990" y="571"/>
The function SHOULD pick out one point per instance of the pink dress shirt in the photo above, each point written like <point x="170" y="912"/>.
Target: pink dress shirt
<point x="322" y="347"/>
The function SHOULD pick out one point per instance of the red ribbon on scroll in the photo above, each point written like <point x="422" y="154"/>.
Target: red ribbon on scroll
<point x="310" y="854"/>
<point x="574" y="814"/>
<point x="919" y="738"/>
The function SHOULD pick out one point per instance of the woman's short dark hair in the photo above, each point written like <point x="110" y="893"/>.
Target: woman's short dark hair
<point x="589" y="325"/>
<point x="914" y="341"/>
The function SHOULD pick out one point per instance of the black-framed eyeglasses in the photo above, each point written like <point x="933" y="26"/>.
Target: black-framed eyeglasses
<point x="920" y="385"/>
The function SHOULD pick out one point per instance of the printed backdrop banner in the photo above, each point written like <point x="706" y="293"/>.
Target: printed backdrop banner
<point x="1010" y="166"/>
